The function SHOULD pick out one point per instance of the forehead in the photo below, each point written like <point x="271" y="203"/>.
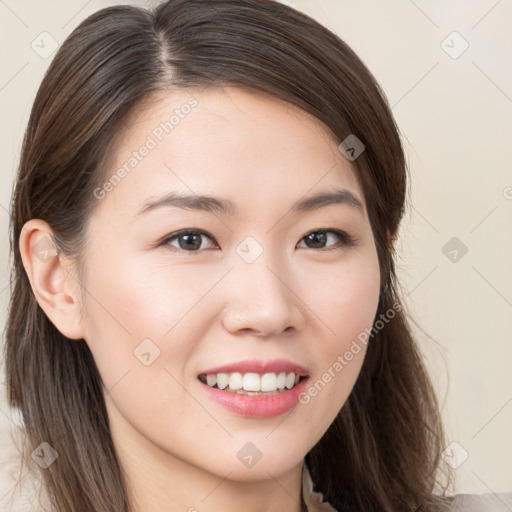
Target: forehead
<point x="226" y="142"/>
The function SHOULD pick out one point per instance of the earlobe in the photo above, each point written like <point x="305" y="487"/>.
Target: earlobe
<point x="52" y="282"/>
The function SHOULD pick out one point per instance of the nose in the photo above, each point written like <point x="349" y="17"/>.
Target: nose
<point x="262" y="300"/>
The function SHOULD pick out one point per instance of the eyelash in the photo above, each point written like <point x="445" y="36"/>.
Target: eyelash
<point x="346" y="239"/>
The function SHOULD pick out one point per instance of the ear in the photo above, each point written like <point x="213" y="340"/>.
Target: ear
<point x="52" y="279"/>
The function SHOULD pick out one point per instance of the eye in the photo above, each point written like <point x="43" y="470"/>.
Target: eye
<point x="188" y="240"/>
<point x="318" y="239"/>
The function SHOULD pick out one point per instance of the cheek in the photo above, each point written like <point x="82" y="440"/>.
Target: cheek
<point x="346" y="297"/>
<point x="138" y="342"/>
<point x="358" y="301"/>
<point x="132" y="302"/>
<point x="171" y="306"/>
<point x="347" y="308"/>
<point x="356" y="304"/>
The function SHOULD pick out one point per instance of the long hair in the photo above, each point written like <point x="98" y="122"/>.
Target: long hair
<point x="383" y="450"/>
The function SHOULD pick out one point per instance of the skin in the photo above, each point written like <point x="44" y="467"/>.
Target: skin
<point x="304" y="304"/>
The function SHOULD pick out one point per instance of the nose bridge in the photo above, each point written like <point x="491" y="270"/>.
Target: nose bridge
<point x="260" y="295"/>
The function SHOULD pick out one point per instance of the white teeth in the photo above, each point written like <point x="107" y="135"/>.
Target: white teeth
<point x="222" y="380"/>
<point x="269" y="382"/>
<point x="251" y="382"/>
<point x="236" y="381"/>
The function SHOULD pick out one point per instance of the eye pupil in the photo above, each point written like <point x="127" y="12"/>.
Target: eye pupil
<point x="193" y="241"/>
<point x="318" y="238"/>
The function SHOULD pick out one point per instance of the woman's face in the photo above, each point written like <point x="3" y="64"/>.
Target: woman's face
<point x="263" y="284"/>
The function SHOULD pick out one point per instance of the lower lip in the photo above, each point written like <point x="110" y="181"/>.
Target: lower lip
<point x="257" y="406"/>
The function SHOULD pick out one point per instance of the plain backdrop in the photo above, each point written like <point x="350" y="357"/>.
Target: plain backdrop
<point x="446" y="68"/>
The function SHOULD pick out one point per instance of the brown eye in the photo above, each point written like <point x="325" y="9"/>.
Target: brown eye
<point x="320" y="239"/>
<point x="188" y="240"/>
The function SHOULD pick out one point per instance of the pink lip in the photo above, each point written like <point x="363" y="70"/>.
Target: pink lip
<point x="256" y="366"/>
<point x="254" y="406"/>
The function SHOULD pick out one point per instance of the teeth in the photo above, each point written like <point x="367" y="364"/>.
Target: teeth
<point x="252" y="382"/>
<point x="236" y="381"/>
<point x="269" y="382"/>
<point x="222" y="380"/>
<point x="290" y="380"/>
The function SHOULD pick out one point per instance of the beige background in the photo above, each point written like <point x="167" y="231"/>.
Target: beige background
<point x="455" y="113"/>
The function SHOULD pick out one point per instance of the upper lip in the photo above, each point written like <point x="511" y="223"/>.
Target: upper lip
<point x="259" y="366"/>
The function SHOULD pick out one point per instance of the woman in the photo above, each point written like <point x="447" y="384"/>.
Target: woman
<point x="273" y="368"/>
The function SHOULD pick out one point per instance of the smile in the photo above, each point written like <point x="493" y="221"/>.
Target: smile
<point x="255" y="389"/>
<point x="251" y="383"/>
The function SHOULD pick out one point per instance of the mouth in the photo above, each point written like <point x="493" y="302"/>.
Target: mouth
<point x="252" y="383"/>
<point x="255" y="389"/>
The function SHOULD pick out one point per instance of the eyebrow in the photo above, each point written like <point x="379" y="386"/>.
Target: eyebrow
<point x="213" y="204"/>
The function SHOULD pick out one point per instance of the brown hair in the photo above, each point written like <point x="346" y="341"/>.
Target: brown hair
<point x="383" y="450"/>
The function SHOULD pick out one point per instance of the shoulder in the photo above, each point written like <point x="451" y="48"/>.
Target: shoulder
<point x="490" y="502"/>
<point x="20" y="483"/>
